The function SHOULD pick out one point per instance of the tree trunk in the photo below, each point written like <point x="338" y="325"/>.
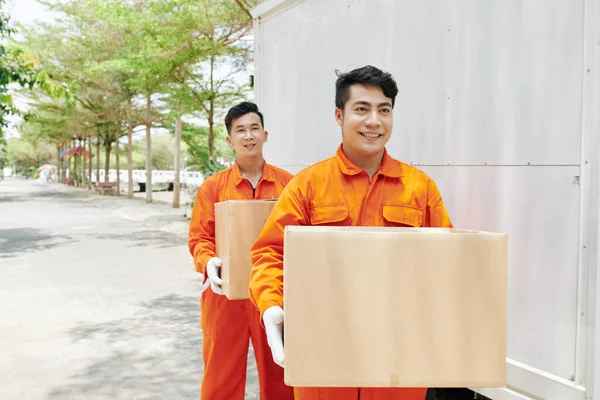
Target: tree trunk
<point x="211" y="132"/>
<point x="75" y="170"/>
<point x="82" y="159"/>
<point x="177" y="163"/>
<point x="148" y="149"/>
<point x="73" y="166"/>
<point x="59" y="160"/>
<point x="118" y="168"/>
<point x="129" y="151"/>
<point x="59" y="163"/>
<point x="118" y="134"/>
<point x="90" y="161"/>
<point x="65" y="162"/>
<point x="98" y="158"/>
<point x="107" y="146"/>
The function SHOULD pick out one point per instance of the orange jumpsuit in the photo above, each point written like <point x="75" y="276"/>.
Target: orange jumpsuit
<point x="228" y="325"/>
<point x="336" y="192"/>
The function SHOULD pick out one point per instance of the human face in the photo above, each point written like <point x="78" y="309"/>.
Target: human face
<point x="247" y="136"/>
<point x="366" y="122"/>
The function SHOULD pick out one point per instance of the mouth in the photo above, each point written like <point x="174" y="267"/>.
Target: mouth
<point x="250" y="146"/>
<point x="371" y="135"/>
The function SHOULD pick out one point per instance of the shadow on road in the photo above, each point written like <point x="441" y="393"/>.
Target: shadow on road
<point x="12" y="199"/>
<point x="154" y="354"/>
<point x="63" y="197"/>
<point x="151" y="238"/>
<point x="19" y="240"/>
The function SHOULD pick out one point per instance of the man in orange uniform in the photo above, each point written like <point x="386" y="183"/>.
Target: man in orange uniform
<point x="229" y="324"/>
<point x="360" y="186"/>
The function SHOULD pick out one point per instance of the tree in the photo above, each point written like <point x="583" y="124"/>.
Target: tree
<point x="197" y="148"/>
<point x="212" y="56"/>
<point x="25" y="154"/>
<point x="146" y="63"/>
<point x="19" y="68"/>
<point x="14" y="67"/>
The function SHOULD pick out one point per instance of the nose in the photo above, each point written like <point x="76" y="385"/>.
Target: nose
<point x="247" y="134"/>
<point x="373" y="119"/>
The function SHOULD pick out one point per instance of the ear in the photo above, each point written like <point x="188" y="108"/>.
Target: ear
<point x="229" y="140"/>
<point x="266" y="136"/>
<point x="339" y="116"/>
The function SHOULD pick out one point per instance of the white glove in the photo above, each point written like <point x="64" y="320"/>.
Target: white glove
<point x="273" y="320"/>
<point x="213" y="268"/>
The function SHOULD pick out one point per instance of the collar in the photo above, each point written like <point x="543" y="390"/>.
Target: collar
<point x="389" y="166"/>
<point x="267" y="173"/>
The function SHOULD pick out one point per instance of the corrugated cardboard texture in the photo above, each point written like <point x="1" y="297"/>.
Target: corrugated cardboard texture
<point x="237" y="225"/>
<point x="394" y="307"/>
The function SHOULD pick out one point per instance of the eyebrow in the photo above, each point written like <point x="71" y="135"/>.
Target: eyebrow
<point x="366" y="103"/>
<point x="251" y="125"/>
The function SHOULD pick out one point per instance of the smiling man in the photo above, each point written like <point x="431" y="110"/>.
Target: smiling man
<point x="229" y="324"/>
<point x="352" y="188"/>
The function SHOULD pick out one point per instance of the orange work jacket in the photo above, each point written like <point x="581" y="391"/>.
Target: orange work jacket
<point x="336" y="192"/>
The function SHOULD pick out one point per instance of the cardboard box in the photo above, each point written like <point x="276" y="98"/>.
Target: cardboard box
<point x="237" y="225"/>
<point x="394" y="307"/>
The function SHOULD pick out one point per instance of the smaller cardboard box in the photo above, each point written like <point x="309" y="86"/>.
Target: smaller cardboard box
<point x="394" y="307"/>
<point x="237" y="225"/>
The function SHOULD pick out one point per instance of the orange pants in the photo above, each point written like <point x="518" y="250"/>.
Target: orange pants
<point x="359" y="393"/>
<point x="228" y="325"/>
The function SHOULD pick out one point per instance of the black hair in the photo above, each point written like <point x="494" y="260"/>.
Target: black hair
<point x="239" y="110"/>
<point x="368" y="75"/>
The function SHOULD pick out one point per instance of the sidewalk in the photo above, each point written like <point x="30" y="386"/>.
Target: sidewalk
<point x="158" y="215"/>
<point x="161" y="216"/>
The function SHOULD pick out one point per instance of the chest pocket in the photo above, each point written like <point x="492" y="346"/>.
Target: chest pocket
<point x="400" y="215"/>
<point x="334" y="215"/>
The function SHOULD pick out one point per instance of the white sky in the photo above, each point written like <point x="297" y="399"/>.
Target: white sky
<point x="27" y="11"/>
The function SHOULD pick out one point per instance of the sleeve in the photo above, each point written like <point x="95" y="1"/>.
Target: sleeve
<point x="266" y="277"/>
<point x="436" y="215"/>
<point x="201" y="236"/>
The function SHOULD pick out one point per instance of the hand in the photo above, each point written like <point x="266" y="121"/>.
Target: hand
<point x="273" y="320"/>
<point x="213" y="268"/>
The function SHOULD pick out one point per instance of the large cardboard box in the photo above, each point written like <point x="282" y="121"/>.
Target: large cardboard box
<point x="237" y="225"/>
<point x="394" y="307"/>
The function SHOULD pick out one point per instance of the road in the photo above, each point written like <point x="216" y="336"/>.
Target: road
<point x="99" y="298"/>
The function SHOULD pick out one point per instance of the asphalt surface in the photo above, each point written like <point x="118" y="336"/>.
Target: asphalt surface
<point x="98" y="296"/>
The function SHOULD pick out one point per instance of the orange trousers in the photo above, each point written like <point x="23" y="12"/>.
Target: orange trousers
<point x="359" y="393"/>
<point x="228" y="326"/>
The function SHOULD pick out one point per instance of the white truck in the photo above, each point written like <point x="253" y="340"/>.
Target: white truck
<point x="500" y="104"/>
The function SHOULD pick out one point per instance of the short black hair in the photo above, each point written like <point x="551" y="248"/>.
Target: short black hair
<point x="239" y="110"/>
<point x="367" y="75"/>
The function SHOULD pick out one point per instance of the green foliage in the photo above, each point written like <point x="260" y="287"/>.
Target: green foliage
<point x="14" y="67"/>
<point x="26" y="155"/>
<point x="162" y="152"/>
<point x="18" y="67"/>
<point x="197" y="148"/>
<point x="103" y="53"/>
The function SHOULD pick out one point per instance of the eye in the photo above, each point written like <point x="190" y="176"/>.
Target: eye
<point x="361" y="109"/>
<point x="386" y="110"/>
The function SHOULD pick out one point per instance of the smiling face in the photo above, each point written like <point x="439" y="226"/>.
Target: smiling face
<point x="247" y="136"/>
<point x="366" y="122"/>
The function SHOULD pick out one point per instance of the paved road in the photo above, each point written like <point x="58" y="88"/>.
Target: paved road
<point x="99" y="298"/>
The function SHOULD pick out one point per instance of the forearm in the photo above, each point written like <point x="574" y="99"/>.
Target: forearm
<point x="266" y="279"/>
